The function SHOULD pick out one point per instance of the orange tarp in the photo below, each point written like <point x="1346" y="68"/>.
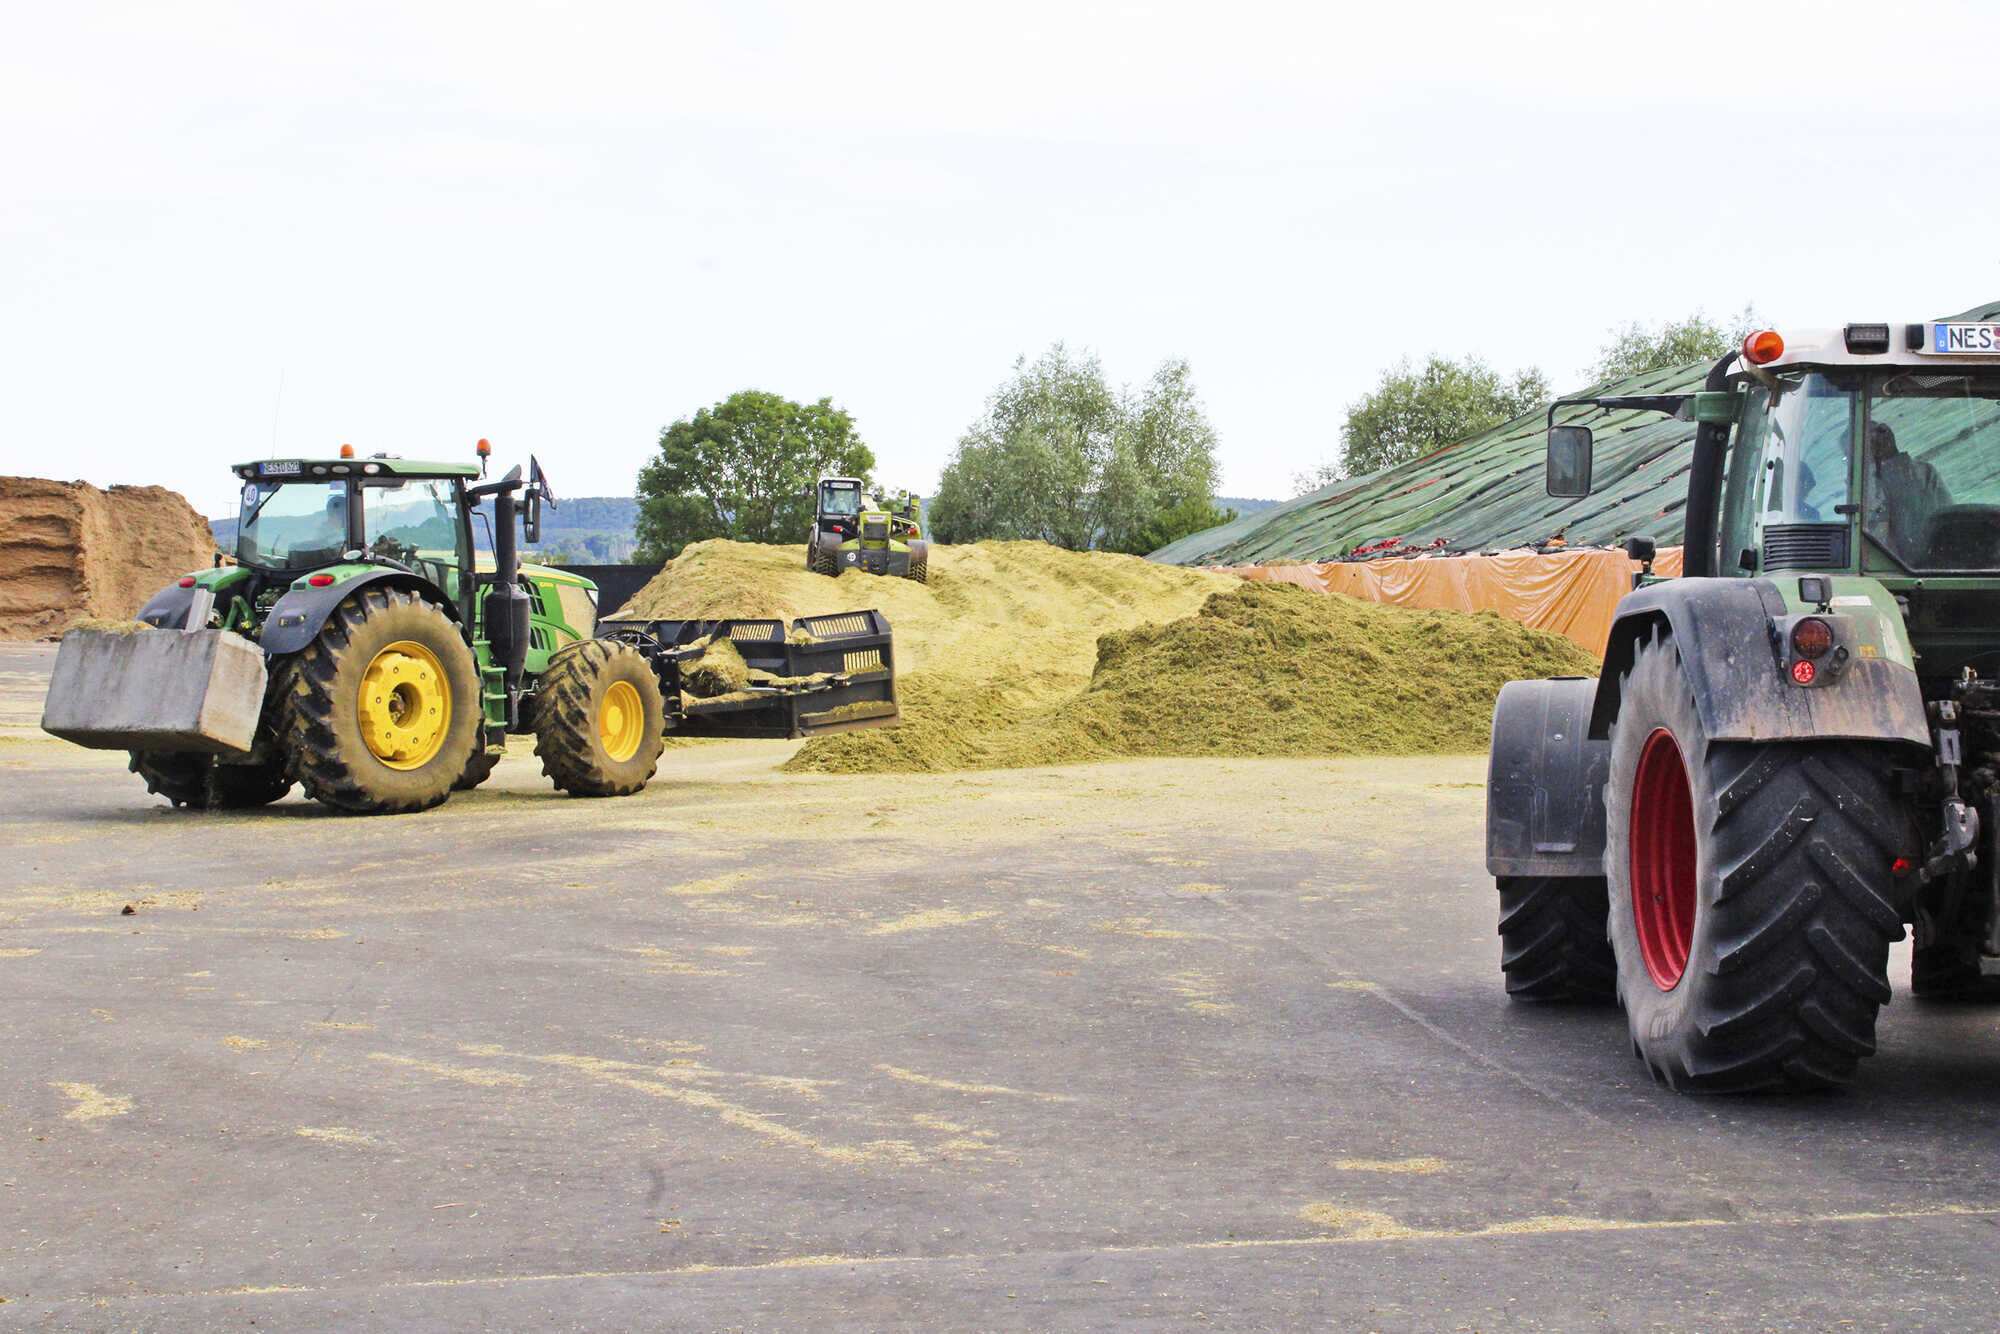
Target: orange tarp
<point x="1572" y="593"/>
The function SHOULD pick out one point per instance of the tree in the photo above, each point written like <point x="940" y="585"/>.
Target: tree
<point x="1196" y="514"/>
<point x="1637" y="349"/>
<point x="1061" y="457"/>
<point x="1414" y="413"/>
<point x="743" y="469"/>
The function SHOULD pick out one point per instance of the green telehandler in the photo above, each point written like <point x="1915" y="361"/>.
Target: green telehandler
<point x="1794" y="749"/>
<point x="854" y="530"/>
<point x="363" y="647"/>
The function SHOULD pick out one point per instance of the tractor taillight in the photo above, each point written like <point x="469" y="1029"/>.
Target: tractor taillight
<point x="320" y="580"/>
<point x="1763" y="347"/>
<point x="187" y="581"/>
<point x="1803" y="671"/>
<point x="1811" y="638"/>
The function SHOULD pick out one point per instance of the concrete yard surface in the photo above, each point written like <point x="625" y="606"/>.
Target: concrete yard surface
<point x="1153" y="1045"/>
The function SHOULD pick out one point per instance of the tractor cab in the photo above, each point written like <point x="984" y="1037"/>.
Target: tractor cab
<point x="841" y="500"/>
<point x="1870" y="452"/>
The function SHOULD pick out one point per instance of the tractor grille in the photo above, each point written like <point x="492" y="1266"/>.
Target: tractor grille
<point x="875" y="532"/>
<point x="869" y="660"/>
<point x="826" y="627"/>
<point x="1805" y="546"/>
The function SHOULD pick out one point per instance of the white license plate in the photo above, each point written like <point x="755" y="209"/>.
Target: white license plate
<point x="1966" y="339"/>
<point x="286" y="469"/>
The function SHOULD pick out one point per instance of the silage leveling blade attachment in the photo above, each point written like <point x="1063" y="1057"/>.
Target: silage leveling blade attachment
<point x="820" y="674"/>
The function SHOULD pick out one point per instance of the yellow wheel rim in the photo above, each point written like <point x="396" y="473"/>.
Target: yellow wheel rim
<point x="621" y="721"/>
<point x="405" y="705"/>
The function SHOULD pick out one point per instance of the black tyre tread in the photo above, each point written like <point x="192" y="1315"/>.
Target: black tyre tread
<point x="1791" y="966"/>
<point x="920" y="570"/>
<point x="197" y="782"/>
<point x="566" y="726"/>
<point x="179" y="776"/>
<point x="477" y="769"/>
<point x="328" y="772"/>
<point x="1552" y="942"/>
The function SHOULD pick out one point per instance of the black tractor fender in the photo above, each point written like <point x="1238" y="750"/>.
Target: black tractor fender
<point x="295" y="619"/>
<point x="168" y="608"/>
<point x="1545" y="781"/>
<point x="1725" y="632"/>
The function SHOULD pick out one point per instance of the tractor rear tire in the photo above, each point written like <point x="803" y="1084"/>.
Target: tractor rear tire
<point x="384" y="712"/>
<point x="1553" y="945"/>
<point x="600" y="721"/>
<point x="477" y="769"/>
<point x="920" y="562"/>
<point x="194" y="780"/>
<point x="1749" y="906"/>
<point x="822" y="561"/>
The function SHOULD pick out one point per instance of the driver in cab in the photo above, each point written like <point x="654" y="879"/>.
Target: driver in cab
<point x="1904" y="493"/>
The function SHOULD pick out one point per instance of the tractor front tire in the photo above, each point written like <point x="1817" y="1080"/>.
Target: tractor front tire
<point x="1748" y="905"/>
<point x="384" y="711"/>
<point x="194" y="780"/>
<point x="1553" y="945"/>
<point x="600" y="721"/>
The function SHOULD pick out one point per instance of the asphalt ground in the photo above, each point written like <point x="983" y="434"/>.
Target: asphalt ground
<point x="1154" y="1045"/>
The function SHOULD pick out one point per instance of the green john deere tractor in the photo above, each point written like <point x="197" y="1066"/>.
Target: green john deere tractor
<point x="853" y="530"/>
<point x="1792" y="750"/>
<point x="364" y="648"/>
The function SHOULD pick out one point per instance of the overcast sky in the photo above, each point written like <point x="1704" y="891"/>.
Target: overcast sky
<point x="564" y="225"/>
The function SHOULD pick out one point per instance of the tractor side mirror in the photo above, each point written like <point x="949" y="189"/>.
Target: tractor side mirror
<point x="538" y="490"/>
<point x="1569" y="461"/>
<point x="531" y="518"/>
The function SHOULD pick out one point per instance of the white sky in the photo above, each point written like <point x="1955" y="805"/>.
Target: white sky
<point x="563" y="225"/>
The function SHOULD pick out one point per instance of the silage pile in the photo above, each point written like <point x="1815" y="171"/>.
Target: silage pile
<point x="69" y="550"/>
<point x="1002" y="633"/>
<point x="1275" y="670"/>
<point x="1019" y="654"/>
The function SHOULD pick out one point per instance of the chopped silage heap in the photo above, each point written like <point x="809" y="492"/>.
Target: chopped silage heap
<point x="719" y="670"/>
<point x="1003" y="631"/>
<point x="1019" y="654"/>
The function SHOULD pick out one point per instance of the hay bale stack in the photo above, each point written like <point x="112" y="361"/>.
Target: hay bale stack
<point x="69" y="550"/>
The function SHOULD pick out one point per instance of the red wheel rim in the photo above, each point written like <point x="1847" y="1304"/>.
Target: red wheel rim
<point x="1663" y="859"/>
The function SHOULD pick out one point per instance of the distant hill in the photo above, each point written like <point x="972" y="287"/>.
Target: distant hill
<point x="1243" y="505"/>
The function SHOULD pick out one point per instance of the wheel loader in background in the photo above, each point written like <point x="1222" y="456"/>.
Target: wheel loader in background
<point x="363" y="647"/>
<point x="1794" y="749"/>
<point x="853" y="530"/>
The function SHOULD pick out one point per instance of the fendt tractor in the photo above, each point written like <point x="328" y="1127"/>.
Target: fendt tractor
<point x="364" y="647"/>
<point x="853" y="530"/>
<point x="1794" y="749"/>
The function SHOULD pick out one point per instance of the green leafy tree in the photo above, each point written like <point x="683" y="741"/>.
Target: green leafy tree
<point x="1636" y="348"/>
<point x="1062" y="457"/>
<point x="743" y="469"/>
<point x="1412" y="413"/>
<point x="1196" y="514"/>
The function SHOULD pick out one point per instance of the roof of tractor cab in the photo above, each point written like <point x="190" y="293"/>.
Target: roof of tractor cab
<point x="1969" y="338"/>
<point x="308" y="468"/>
